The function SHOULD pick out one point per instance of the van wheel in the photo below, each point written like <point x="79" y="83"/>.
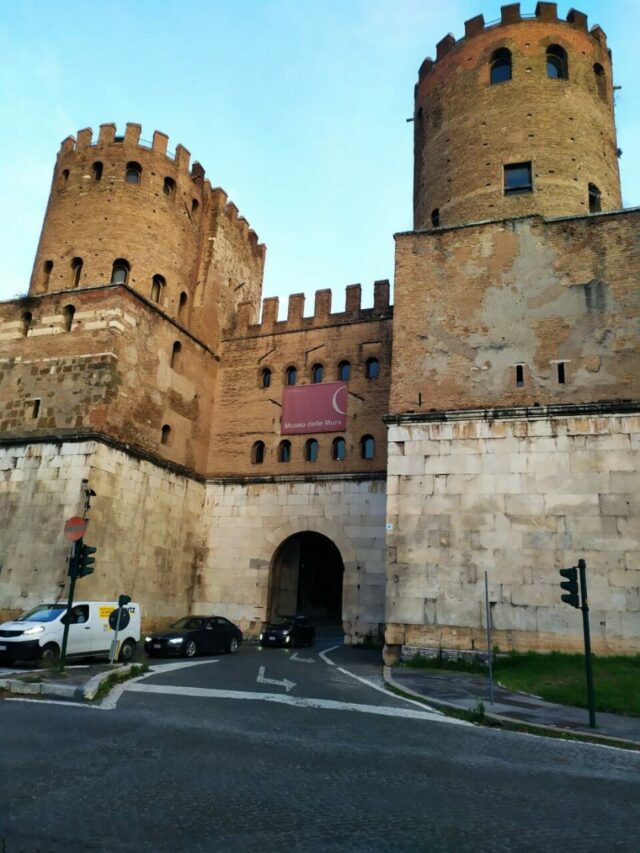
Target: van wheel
<point x="190" y="649"/>
<point x="49" y="654"/>
<point x="127" y="651"/>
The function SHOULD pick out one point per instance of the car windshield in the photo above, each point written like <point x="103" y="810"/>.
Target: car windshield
<point x="188" y="623"/>
<point x="42" y="613"/>
<point x="281" y="621"/>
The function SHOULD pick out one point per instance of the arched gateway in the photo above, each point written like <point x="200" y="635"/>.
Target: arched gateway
<point x="306" y="576"/>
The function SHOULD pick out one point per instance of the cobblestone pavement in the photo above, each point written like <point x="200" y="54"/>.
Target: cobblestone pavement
<point x="181" y="771"/>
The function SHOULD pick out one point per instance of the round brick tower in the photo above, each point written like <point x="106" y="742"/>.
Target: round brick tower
<point x="516" y="119"/>
<point x="123" y="211"/>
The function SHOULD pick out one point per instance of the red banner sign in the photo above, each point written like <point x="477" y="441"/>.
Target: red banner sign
<point x="314" y="408"/>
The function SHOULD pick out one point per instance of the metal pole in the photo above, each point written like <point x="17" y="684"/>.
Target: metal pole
<point x="114" y="644"/>
<point x="489" y="649"/>
<point x="582" y="566"/>
<point x="75" y="548"/>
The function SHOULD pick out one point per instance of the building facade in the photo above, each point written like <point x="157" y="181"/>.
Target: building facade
<point x="492" y="417"/>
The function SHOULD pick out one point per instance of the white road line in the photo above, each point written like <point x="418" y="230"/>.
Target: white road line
<point x="389" y="692"/>
<point x="299" y="702"/>
<point x="296" y="657"/>
<point x="324" y="654"/>
<point x="56" y="702"/>
<point x="111" y="700"/>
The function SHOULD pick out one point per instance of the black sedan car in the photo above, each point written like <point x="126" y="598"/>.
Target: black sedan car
<point x="193" y="635"/>
<point x="288" y="631"/>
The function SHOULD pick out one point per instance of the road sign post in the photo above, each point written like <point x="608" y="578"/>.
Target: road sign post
<point x="118" y="619"/>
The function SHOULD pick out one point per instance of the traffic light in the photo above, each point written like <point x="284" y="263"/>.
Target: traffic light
<point x="571" y="585"/>
<point x="85" y="561"/>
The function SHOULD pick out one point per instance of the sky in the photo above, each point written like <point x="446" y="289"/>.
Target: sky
<point x="297" y="108"/>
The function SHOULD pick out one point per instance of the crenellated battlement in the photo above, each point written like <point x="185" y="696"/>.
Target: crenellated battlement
<point x="131" y="147"/>
<point x="545" y="13"/>
<point x="322" y="315"/>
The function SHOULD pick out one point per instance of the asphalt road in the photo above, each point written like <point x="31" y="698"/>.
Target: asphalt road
<point x="213" y="756"/>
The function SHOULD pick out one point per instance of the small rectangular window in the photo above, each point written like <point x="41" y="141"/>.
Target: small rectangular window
<point x="517" y="178"/>
<point x="561" y="375"/>
<point x="519" y="376"/>
<point x="35" y="409"/>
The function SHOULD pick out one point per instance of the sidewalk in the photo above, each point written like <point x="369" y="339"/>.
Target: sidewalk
<point x="464" y="692"/>
<point x="76" y="683"/>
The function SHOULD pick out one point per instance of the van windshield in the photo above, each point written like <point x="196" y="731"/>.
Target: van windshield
<point x="42" y="613"/>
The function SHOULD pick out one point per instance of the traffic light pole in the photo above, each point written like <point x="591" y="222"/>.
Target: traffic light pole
<point x="73" y="574"/>
<point x="587" y="643"/>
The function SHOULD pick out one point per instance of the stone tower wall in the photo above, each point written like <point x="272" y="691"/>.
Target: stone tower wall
<point x="170" y="224"/>
<point x="467" y="129"/>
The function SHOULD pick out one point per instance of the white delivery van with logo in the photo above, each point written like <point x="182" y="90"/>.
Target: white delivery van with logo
<point x="37" y="634"/>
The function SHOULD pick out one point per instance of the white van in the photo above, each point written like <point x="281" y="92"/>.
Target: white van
<point x="37" y="634"/>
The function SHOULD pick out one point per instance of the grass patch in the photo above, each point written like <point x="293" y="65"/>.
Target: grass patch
<point x="559" y="677"/>
<point x="118" y="678"/>
<point x="421" y="662"/>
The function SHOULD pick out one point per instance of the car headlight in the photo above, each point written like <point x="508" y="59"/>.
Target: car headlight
<point x="261" y="637"/>
<point x="176" y="640"/>
<point x="148" y="639"/>
<point x="288" y="638"/>
<point x="286" y="633"/>
<point x="37" y="629"/>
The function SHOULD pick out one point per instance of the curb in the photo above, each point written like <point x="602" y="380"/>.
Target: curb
<point x="514" y="724"/>
<point x="82" y="692"/>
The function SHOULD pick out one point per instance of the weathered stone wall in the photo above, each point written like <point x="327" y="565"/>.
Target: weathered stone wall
<point x="247" y="522"/>
<point x="121" y="369"/>
<point x="519" y="499"/>
<point x="466" y="129"/>
<point x="145" y="521"/>
<point x="473" y="303"/>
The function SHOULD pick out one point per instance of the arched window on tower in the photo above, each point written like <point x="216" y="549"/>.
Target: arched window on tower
<point x="601" y="80"/>
<point x="169" y="187"/>
<point x="595" y="203"/>
<point x="317" y="372"/>
<point x="176" y="355"/>
<point x="97" y="171"/>
<point x="67" y="313"/>
<point x="311" y="450"/>
<point x="65" y="175"/>
<point x="165" y="435"/>
<point x="257" y="453"/>
<point x="435" y="217"/>
<point x="194" y="205"/>
<point x="557" y="63"/>
<point x="372" y="368"/>
<point x="182" y="305"/>
<point x="339" y="449"/>
<point x="344" y="371"/>
<point x="27" y="320"/>
<point x="47" y="267"/>
<point x="120" y="271"/>
<point x="133" y="173"/>
<point x="291" y="375"/>
<point x="500" y="67"/>
<point x="265" y="379"/>
<point x="157" y="284"/>
<point x="284" y="451"/>
<point x="76" y="271"/>
<point x="367" y="447"/>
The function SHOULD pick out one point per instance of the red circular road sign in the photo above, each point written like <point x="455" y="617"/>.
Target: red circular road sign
<point x="74" y="528"/>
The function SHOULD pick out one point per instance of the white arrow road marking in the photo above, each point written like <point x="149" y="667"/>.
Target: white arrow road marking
<point x="295" y="656"/>
<point x="324" y="654"/>
<point x="284" y="683"/>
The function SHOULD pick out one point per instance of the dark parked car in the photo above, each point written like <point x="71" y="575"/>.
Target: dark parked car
<point x="194" y="635"/>
<point x="288" y="631"/>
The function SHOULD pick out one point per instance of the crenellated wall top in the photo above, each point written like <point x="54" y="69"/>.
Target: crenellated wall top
<point x="322" y="315"/>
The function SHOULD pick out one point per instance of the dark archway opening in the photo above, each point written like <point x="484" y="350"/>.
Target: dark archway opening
<point x="306" y="579"/>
